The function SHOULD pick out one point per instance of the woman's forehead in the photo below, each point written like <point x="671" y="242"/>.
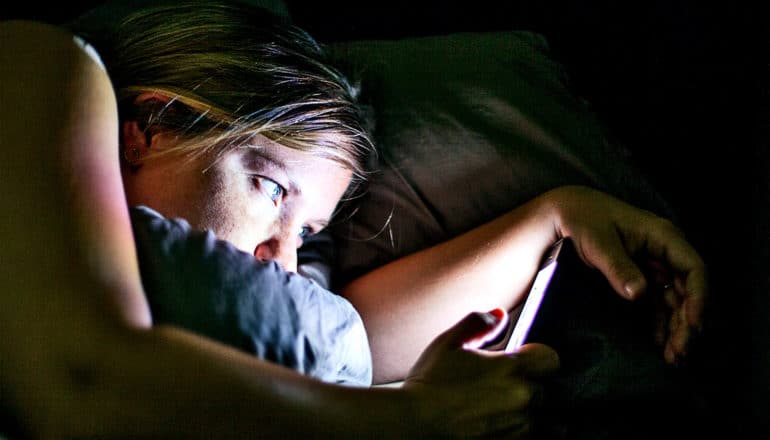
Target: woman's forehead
<point x="319" y="180"/>
<point x="287" y="158"/>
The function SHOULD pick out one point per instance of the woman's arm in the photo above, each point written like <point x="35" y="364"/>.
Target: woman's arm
<point x="79" y="357"/>
<point x="61" y="177"/>
<point x="405" y="303"/>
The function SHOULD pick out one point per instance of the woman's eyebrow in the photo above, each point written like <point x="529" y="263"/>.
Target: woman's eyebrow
<point x="267" y="155"/>
<point x="320" y="223"/>
<point x="269" y="159"/>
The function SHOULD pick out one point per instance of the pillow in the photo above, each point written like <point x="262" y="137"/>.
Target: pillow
<point x="209" y="287"/>
<point x="468" y="127"/>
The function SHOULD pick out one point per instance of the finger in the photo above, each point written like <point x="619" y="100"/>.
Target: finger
<point x="676" y="349"/>
<point x="611" y="258"/>
<point x="673" y="300"/>
<point x="689" y="307"/>
<point x="535" y="360"/>
<point x="490" y="334"/>
<point x="679" y="338"/>
<point x="681" y="335"/>
<point x="670" y="355"/>
<point x="474" y="326"/>
<point x="515" y="393"/>
<point x="695" y="293"/>
<point x="673" y="323"/>
<point x="662" y="313"/>
<point x="668" y="245"/>
<point x="656" y="272"/>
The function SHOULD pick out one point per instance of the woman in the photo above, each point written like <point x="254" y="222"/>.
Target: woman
<point x="80" y="354"/>
<point x="405" y="306"/>
<point x="92" y="340"/>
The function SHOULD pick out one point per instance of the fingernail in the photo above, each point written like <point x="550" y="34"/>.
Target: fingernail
<point x="697" y="327"/>
<point x="633" y="287"/>
<point x="498" y="313"/>
<point x="492" y="317"/>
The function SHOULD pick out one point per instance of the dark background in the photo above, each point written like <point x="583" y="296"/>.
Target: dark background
<point x="684" y="84"/>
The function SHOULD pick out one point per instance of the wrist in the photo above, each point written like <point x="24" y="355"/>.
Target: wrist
<point x="560" y="205"/>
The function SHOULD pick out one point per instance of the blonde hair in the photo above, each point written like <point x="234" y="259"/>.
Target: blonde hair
<point x="233" y="71"/>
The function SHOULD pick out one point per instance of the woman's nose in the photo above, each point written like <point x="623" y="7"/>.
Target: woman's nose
<point x="281" y="250"/>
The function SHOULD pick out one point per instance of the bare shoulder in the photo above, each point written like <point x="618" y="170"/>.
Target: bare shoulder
<point x="31" y="46"/>
<point x="36" y="39"/>
<point x="69" y="267"/>
<point x="67" y="226"/>
<point x="10" y="28"/>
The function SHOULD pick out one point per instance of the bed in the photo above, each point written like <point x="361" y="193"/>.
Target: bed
<point x="624" y="100"/>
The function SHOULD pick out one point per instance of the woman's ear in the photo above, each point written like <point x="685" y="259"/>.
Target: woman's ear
<point x="136" y="143"/>
<point x="138" y="136"/>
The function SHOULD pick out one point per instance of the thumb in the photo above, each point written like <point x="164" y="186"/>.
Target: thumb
<point x="475" y="329"/>
<point x="612" y="259"/>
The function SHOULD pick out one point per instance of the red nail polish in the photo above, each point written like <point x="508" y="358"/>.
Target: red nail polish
<point x="498" y="313"/>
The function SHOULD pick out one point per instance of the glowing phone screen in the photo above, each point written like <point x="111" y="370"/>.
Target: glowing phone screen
<point x="531" y="305"/>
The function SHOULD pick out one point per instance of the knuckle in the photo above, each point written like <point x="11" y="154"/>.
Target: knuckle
<point x="523" y="394"/>
<point x="667" y="226"/>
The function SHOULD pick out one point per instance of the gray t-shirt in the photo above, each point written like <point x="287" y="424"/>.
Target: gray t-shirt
<point x="211" y="288"/>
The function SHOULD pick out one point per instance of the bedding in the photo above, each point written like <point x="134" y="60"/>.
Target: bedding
<point x="211" y="288"/>
<point x="469" y="126"/>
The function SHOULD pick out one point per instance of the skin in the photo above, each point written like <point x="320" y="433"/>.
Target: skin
<point x="263" y="198"/>
<point x="405" y="306"/>
<point x="80" y="358"/>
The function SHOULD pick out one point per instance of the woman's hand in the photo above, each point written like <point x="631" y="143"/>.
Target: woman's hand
<point x="636" y="250"/>
<point x="468" y="393"/>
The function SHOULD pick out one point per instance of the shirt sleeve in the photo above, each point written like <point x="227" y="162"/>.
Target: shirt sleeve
<point x="207" y="286"/>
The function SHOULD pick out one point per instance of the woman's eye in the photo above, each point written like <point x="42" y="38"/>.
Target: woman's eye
<point x="270" y="188"/>
<point x="305" y="232"/>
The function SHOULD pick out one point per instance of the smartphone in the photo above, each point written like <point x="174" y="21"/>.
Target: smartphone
<point x="534" y="300"/>
<point x="523" y="317"/>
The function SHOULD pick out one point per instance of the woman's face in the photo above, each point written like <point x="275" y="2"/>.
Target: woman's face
<point x="263" y="198"/>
